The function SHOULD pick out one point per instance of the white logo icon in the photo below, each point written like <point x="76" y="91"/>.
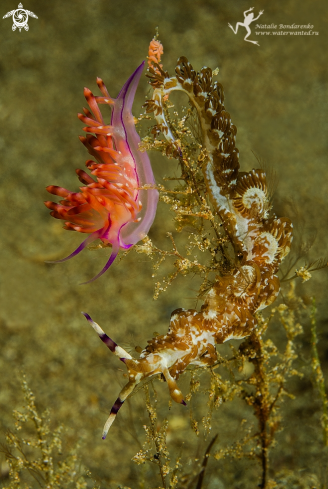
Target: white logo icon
<point x="248" y="19"/>
<point x="20" y="17"/>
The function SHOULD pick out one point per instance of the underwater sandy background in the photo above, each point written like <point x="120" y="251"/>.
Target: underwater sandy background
<point x="277" y="97"/>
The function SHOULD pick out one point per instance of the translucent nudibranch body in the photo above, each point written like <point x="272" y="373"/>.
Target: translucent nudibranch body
<point x="259" y="241"/>
<point x="113" y="207"/>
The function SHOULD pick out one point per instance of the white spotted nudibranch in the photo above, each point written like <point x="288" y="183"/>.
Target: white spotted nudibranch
<point x="260" y="243"/>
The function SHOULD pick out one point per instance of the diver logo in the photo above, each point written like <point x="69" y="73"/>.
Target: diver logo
<point x="248" y="19"/>
<point x="20" y="17"/>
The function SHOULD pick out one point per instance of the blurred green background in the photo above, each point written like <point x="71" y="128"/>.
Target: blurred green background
<point x="276" y="94"/>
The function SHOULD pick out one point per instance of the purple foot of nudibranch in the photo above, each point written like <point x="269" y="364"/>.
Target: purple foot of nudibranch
<point x="81" y="247"/>
<point x="84" y="244"/>
<point x="115" y="250"/>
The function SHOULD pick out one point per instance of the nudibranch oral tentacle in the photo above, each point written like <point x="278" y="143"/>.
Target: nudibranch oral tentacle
<point x="138" y="371"/>
<point x="259" y="242"/>
<point x="114" y="206"/>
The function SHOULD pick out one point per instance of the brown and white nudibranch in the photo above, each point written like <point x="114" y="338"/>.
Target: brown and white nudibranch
<point x="241" y="202"/>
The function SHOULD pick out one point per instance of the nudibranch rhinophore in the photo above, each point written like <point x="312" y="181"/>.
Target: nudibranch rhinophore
<point x="114" y="207"/>
<point x="260" y="242"/>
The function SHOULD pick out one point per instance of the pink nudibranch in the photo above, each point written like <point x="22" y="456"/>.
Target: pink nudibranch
<point x="114" y="207"/>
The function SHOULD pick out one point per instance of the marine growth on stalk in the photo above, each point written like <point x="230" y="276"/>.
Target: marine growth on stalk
<point x="247" y="282"/>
